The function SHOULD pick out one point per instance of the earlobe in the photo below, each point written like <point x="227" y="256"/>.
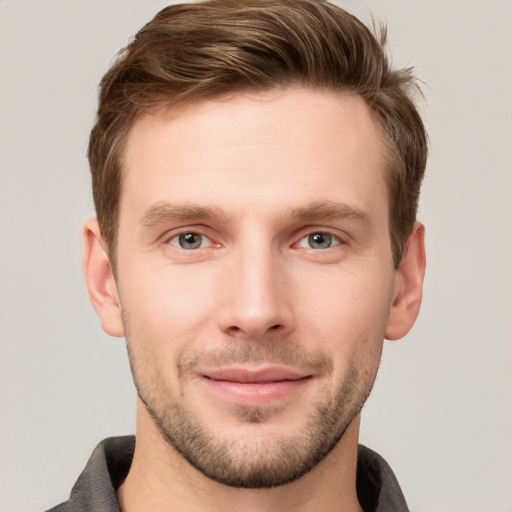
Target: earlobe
<point x="408" y="286"/>
<point x="100" y="280"/>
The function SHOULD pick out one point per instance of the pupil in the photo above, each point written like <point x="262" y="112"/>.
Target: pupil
<point x="320" y="240"/>
<point x="190" y="240"/>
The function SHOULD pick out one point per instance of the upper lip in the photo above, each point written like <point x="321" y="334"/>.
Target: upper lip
<point x="254" y="376"/>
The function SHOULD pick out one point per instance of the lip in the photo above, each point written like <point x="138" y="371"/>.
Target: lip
<point x="254" y="387"/>
<point x="255" y="376"/>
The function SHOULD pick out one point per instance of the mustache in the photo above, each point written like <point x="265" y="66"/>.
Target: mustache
<point x="271" y="351"/>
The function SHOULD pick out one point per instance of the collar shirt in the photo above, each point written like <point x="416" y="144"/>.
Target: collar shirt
<point x="95" y="490"/>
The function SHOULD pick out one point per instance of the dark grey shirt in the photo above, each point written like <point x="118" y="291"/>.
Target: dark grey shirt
<point x="95" y="489"/>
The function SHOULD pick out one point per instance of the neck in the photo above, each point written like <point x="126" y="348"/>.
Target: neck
<point x="161" y="480"/>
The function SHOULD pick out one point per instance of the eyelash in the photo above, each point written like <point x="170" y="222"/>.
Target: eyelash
<point x="325" y="237"/>
<point x="177" y="236"/>
<point x="331" y="238"/>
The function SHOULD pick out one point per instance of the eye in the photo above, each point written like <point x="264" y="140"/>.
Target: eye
<point x="319" y="240"/>
<point x="189" y="241"/>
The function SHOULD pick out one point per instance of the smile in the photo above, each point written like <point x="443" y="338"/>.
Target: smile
<point x="254" y="388"/>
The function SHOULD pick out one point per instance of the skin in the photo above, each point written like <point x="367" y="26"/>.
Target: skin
<point x="258" y="294"/>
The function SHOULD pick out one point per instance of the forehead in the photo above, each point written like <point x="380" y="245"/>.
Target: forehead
<point x="286" y="146"/>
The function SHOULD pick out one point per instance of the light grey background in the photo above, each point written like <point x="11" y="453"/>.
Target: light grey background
<point x="441" y="412"/>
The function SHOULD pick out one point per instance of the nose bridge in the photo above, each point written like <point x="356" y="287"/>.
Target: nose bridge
<point x="256" y="297"/>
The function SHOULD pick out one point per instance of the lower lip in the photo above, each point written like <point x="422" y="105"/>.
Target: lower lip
<point x="250" y="394"/>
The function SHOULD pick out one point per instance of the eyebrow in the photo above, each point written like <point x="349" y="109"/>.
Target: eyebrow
<point x="322" y="210"/>
<point x="162" y="212"/>
<point x="329" y="210"/>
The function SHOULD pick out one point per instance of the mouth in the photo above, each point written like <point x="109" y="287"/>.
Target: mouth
<point x="254" y="388"/>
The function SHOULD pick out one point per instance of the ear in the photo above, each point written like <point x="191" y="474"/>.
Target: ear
<point x="100" y="281"/>
<point x="408" y="286"/>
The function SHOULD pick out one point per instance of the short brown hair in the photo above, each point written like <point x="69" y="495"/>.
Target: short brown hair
<point x="212" y="48"/>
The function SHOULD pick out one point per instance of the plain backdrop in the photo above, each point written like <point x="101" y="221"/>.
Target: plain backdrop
<point x="441" y="411"/>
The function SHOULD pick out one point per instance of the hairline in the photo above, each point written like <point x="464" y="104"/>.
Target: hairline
<point x="390" y="159"/>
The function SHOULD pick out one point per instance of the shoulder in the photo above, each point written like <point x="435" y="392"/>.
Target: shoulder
<point x="378" y="489"/>
<point x="106" y="469"/>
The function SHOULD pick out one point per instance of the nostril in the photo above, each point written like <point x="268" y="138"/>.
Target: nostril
<point x="274" y="327"/>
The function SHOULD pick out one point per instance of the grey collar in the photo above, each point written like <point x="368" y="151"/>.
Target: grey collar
<point x="95" y="490"/>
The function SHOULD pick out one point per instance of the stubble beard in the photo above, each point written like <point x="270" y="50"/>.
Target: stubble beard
<point x="255" y="462"/>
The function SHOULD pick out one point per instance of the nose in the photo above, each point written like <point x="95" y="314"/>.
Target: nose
<point x="257" y="295"/>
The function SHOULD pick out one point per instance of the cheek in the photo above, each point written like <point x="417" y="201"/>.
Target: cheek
<point x="164" y="307"/>
<point x="345" y="312"/>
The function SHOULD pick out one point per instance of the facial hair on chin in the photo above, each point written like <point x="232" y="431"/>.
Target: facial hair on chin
<point x="254" y="462"/>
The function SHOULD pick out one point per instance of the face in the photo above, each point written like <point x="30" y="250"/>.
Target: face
<point x="255" y="277"/>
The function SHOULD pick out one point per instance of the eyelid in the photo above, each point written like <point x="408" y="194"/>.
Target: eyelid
<point x="176" y="233"/>
<point x="304" y="233"/>
<point x="336" y="241"/>
<point x="340" y="238"/>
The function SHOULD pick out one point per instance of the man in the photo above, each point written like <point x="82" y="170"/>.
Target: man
<point x="256" y="168"/>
